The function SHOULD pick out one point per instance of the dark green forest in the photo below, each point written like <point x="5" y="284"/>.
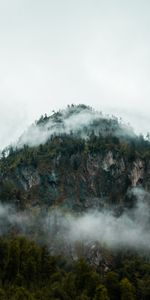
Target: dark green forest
<point x="28" y="271"/>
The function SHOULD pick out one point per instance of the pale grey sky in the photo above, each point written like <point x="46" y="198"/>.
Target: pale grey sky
<point x="54" y="53"/>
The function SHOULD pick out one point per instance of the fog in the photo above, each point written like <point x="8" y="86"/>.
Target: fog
<point x="130" y="230"/>
<point x="61" y="229"/>
<point x="75" y="120"/>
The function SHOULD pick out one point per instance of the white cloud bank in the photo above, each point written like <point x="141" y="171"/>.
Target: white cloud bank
<point x="74" y="119"/>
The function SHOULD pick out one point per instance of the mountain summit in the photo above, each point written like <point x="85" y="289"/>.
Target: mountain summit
<point x="79" y="120"/>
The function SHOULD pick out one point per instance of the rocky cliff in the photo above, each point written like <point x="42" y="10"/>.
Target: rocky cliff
<point x="73" y="169"/>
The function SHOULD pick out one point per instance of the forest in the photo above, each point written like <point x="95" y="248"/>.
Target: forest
<point x="28" y="271"/>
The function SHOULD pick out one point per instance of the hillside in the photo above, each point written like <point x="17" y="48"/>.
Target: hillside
<point x="78" y="159"/>
<point x="78" y="182"/>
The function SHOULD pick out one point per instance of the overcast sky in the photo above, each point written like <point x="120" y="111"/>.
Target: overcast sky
<point x="58" y="52"/>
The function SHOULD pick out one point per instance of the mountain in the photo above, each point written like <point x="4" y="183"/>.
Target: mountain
<point x="75" y="210"/>
<point x="76" y="158"/>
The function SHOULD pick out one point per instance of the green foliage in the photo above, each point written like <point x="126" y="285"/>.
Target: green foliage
<point x="112" y="284"/>
<point x="29" y="272"/>
<point x="21" y="293"/>
<point x="127" y="290"/>
<point x="2" y="294"/>
<point x="101" y="293"/>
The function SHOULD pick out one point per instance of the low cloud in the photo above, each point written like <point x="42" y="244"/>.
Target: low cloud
<point x="75" y="119"/>
<point x="130" y="230"/>
<point x="61" y="230"/>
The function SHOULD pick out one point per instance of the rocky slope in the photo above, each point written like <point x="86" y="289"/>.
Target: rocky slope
<point x="69" y="184"/>
<point x="75" y="170"/>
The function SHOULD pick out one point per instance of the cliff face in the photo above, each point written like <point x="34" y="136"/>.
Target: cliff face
<point x="78" y="181"/>
<point x="77" y="159"/>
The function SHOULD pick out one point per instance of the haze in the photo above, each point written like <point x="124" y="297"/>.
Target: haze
<point x="130" y="230"/>
<point x="54" y="53"/>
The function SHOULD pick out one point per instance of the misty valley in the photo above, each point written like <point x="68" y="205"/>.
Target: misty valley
<point x="75" y="210"/>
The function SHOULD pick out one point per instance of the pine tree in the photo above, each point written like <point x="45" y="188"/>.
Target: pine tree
<point x="127" y="290"/>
